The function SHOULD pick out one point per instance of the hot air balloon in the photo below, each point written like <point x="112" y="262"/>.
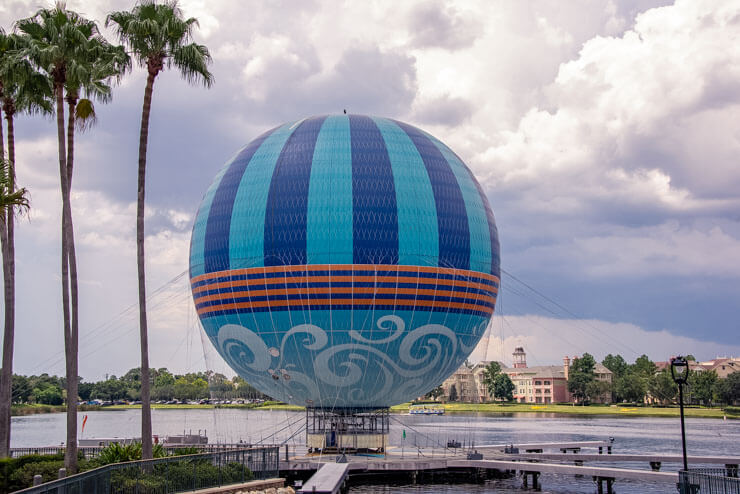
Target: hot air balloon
<point x="345" y="262"/>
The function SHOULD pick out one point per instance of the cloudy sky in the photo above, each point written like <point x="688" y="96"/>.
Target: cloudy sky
<point x="605" y="134"/>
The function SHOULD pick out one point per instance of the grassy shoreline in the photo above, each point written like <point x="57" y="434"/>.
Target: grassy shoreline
<point x="614" y="410"/>
<point x="488" y="408"/>
<point x="22" y="410"/>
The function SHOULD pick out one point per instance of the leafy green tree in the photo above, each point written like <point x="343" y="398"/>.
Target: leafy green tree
<point x="21" y="389"/>
<point x="163" y="377"/>
<point x="644" y="367"/>
<point x="630" y="387"/>
<point x="616" y="364"/>
<point x="220" y="386"/>
<point x="503" y="388"/>
<point x="49" y="395"/>
<point x="159" y="36"/>
<point x="246" y="390"/>
<point x="703" y="386"/>
<point x="489" y="377"/>
<point x="728" y="389"/>
<point x="132" y="378"/>
<point x="453" y="393"/>
<point x="580" y="375"/>
<point x="110" y="389"/>
<point x="435" y="393"/>
<point x="86" y="390"/>
<point x="662" y="387"/>
<point x="598" y="390"/>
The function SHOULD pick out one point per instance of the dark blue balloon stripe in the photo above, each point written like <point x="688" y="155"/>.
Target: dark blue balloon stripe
<point x="452" y="217"/>
<point x="287" y="199"/>
<point x="374" y="213"/>
<point x="495" y="248"/>
<point x="218" y="226"/>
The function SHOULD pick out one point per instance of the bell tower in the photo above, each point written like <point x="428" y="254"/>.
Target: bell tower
<point x="520" y="358"/>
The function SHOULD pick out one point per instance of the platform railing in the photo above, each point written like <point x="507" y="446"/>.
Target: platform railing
<point x="92" y="451"/>
<point x="709" y="481"/>
<point x="170" y="474"/>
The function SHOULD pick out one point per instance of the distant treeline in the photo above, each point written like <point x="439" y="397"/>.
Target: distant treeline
<point x="643" y="381"/>
<point x="49" y="390"/>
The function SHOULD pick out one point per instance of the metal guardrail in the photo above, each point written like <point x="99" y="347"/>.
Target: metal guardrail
<point x="92" y="451"/>
<point x="170" y="474"/>
<point x="709" y="481"/>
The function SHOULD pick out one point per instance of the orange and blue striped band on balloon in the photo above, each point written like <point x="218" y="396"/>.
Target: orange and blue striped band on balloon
<point x="345" y="287"/>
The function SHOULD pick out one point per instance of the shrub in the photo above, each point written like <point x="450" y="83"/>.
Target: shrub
<point x="11" y="480"/>
<point x="23" y="477"/>
<point x="118" y="453"/>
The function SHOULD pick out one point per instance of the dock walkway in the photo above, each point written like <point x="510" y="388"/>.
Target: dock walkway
<point x="417" y="465"/>
<point x="329" y="479"/>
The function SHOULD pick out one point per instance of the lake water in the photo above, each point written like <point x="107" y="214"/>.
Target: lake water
<point x="631" y="435"/>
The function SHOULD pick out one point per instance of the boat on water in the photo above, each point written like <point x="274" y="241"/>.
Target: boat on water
<point x="426" y="410"/>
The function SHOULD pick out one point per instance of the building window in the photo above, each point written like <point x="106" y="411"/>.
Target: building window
<point x="537" y="383"/>
<point x="539" y="400"/>
<point x="538" y="391"/>
<point x="547" y="383"/>
<point x="547" y="399"/>
<point x="547" y="390"/>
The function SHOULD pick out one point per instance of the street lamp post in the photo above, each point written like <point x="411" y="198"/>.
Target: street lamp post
<point x="680" y="374"/>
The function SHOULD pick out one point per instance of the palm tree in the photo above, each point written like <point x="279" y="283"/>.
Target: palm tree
<point x="159" y="37"/>
<point x="23" y="90"/>
<point x="64" y="45"/>
<point x="11" y="199"/>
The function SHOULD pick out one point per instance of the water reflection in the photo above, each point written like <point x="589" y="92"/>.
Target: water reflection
<point x="631" y="435"/>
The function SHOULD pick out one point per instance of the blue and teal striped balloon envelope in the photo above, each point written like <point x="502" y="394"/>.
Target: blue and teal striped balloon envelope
<point x="345" y="262"/>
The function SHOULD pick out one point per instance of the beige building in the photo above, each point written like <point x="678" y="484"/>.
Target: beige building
<point x="540" y="384"/>
<point x="723" y="366"/>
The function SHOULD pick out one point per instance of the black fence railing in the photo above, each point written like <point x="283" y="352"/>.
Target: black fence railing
<point x="93" y="451"/>
<point x="170" y="474"/>
<point x="709" y="481"/>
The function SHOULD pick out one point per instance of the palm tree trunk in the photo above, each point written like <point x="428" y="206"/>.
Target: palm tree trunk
<point x="6" y="375"/>
<point x="6" y="379"/>
<point x="70" y="454"/>
<point x="146" y="413"/>
<point x="73" y="386"/>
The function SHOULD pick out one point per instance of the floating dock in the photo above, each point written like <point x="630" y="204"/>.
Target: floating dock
<point x="499" y="459"/>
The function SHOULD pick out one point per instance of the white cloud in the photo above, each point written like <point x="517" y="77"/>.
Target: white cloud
<point x="608" y="144"/>
<point x="548" y="340"/>
<point x="621" y="98"/>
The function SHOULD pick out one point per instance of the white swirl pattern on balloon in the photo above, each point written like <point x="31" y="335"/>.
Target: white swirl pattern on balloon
<point x="356" y="372"/>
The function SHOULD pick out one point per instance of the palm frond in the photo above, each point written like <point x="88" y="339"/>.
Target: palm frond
<point x="192" y="60"/>
<point x="85" y="117"/>
<point x="17" y="199"/>
<point x="157" y="32"/>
